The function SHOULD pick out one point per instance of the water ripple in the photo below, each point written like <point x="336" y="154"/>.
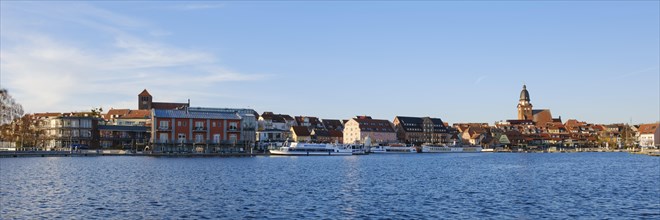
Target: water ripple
<point x="418" y="186"/>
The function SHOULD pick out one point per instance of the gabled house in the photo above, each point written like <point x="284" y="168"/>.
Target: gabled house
<point x="309" y="122"/>
<point x="327" y="136"/>
<point x="274" y="127"/>
<point x="300" y="134"/>
<point x="333" y="124"/>
<point x="359" y="128"/>
<point x="649" y="135"/>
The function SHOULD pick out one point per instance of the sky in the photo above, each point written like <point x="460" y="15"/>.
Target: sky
<point x="459" y="61"/>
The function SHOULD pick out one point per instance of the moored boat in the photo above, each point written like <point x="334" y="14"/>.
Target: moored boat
<point x="392" y="149"/>
<point x="312" y="149"/>
<point x="450" y="149"/>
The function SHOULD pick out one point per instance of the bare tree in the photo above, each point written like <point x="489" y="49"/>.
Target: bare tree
<point x="9" y="108"/>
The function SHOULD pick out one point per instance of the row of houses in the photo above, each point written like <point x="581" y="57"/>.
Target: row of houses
<point x="168" y="126"/>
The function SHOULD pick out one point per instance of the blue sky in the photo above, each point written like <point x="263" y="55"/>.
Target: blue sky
<point x="460" y="61"/>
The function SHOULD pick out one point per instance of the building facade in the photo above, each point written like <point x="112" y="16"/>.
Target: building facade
<point x="190" y="131"/>
<point x="649" y="135"/>
<point x="249" y="123"/>
<point x="420" y="130"/>
<point x="359" y="128"/>
<point x="76" y="130"/>
<point x="124" y="137"/>
<point x="300" y="134"/>
<point x="274" y="127"/>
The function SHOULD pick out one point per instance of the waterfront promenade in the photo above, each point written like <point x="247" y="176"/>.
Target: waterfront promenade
<point x="95" y="153"/>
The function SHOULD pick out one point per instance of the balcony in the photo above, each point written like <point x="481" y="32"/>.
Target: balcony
<point x="163" y="128"/>
<point x="199" y="129"/>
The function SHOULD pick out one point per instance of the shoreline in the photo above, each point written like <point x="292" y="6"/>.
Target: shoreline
<point x="11" y="154"/>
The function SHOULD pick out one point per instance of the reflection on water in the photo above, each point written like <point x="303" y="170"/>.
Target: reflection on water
<point x="411" y="186"/>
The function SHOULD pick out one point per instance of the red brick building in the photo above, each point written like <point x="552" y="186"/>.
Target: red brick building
<point x="182" y="130"/>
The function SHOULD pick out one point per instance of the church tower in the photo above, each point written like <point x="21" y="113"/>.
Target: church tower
<point x="524" y="106"/>
<point x="144" y="100"/>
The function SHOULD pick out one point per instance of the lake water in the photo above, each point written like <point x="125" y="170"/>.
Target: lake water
<point x="416" y="186"/>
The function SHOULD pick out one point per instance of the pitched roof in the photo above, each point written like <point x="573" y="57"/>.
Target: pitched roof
<point x="648" y="128"/>
<point x="320" y="133"/>
<point x="144" y="93"/>
<point x="114" y="113"/>
<point x="287" y="117"/>
<point x="168" y="105"/>
<point x="137" y="114"/>
<point x="369" y="124"/>
<point x="300" y="131"/>
<point x="313" y="121"/>
<point x="169" y="113"/>
<point x="335" y="133"/>
<point x="332" y="124"/>
<point x="416" y="124"/>
<point x="47" y="114"/>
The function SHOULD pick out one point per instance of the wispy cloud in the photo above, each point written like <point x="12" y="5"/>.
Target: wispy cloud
<point x="198" y="6"/>
<point x="481" y="78"/>
<point x="48" y="72"/>
<point x="645" y="70"/>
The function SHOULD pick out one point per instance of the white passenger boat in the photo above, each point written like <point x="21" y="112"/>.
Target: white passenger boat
<point x="357" y="149"/>
<point x="312" y="149"/>
<point x="450" y="149"/>
<point x="393" y="149"/>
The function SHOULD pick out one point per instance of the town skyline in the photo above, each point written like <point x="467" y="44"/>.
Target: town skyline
<point x="586" y="64"/>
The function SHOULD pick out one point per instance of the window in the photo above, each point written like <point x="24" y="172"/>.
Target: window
<point x="199" y="125"/>
<point x="233" y="126"/>
<point x="216" y="138"/>
<point x="199" y="138"/>
<point x="178" y="123"/>
<point x="214" y="124"/>
<point x="164" y="125"/>
<point x="86" y="123"/>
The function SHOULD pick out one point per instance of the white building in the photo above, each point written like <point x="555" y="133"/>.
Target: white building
<point x="649" y="135"/>
<point x="274" y="127"/>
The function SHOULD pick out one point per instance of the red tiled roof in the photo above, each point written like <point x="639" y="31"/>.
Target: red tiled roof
<point x="648" y="128"/>
<point x="119" y="112"/>
<point x="137" y="114"/>
<point x="144" y="93"/>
